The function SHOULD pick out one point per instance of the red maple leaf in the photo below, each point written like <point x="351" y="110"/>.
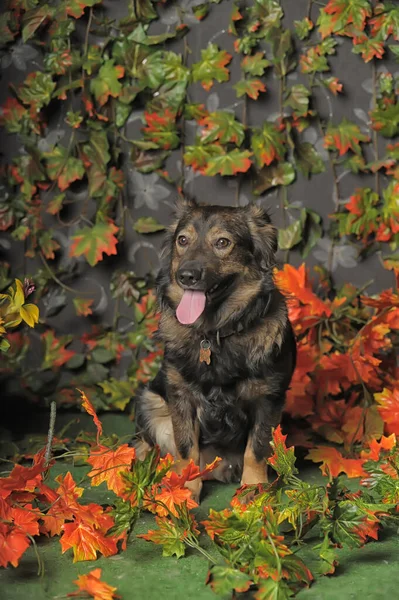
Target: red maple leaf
<point x="108" y="466"/>
<point x="89" y="408"/>
<point x="92" y="585"/>
<point x="333" y="463"/>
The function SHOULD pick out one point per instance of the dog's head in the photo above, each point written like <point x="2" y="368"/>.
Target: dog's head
<point x="213" y="251"/>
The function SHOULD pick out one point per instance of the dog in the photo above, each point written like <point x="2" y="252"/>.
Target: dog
<point x="229" y="347"/>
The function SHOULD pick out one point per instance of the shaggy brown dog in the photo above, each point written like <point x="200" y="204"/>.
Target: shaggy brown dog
<point x="229" y="347"/>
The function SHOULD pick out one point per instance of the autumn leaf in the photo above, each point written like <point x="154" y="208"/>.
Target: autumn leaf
<point x="283" y="459"/>
<point x="63" y="168"/>
<point x="343" y="137"/>
<point x="282" y="173"/>
<point x="385" y="21"/>
<point x="89" y="408"/>
<point x="339" y="14"/>
<point x="106" y="83"/>
<point x="292" y="281"/>
<point x="169" y="535"/>
<point x="333" y="463"/>
<point x="13" y="544"/>
<point x="83" y="306"/>
<point x="86" y="541"/>
<point x="374" y="447"/>
<point x="223" y="580"/>
<point x="222" y="126"/>
<point x="211" y="66"/>
<point x="56" y="353"/>
<point x="148" y="225"/>
<point x="229" y="163"/>
<point x="109" y="464"/>
<point x="388" y="407"/>
<point x="249" y="87"/>
<point x="199" y="155"/>
<point x="93" y="242"/>
<point x="23" y="478"/>
<point x="92" y="585"/>
<point x="303" y="28"/>
<point x="333" y="84"/>
<point x="13" y="115"/>
<point x="160" y="132"/>
<point x="267" y="144"/>
<point x="75" y="8"/>
<point x="369" y="48"/>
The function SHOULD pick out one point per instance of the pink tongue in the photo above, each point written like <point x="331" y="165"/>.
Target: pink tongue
<point x="191" y="307"/>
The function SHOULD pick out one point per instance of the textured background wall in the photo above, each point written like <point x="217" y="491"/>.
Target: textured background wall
<point x="38" y="239"/>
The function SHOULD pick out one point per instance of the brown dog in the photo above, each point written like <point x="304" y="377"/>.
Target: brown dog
<point x="229" y="347"/>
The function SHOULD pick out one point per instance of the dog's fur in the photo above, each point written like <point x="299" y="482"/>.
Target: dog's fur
<point x="227" y="408"/>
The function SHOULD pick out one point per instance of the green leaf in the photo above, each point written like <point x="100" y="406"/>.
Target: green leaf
<point x="223" y="580"/>
<point x="125" y="516"/>
<point x="148" y="225"/>
<point x="37" y="90"/>
<point x="222" y="126"/>
<point x="120" y="392"/>
<point x="4" y="345"/>
<point x="32" y="20"/>
<point x="93" y="242"/>
<point x="274" y="175"/>
<point x="169" y="535"/>
<point x="298" y="99"/>
<point x="290" y="236"/>
<point x="303" y="28"/>
<point x="76" y="361"/>
<point x="211" y="66"/>
<point x="313" y="231"/>
<point x="143" y="10"/>
<point x="273" y="590"/>
<point x="106" y="83"/>
<point x="229" y="163"/>
<point x="249" y="87"/>
<point x="103" y="355"/>
<point x="343" y="137"/>
<point x="255" y="64"/>
<point x="62" y="168"/>
<point x="198" y="156"/>
<point x="267" y="144"/>
<point x="386" y="121"/>
<point x="307" y="159"/>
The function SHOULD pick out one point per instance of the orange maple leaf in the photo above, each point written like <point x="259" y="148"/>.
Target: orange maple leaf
<point x="86" y="541"/>
<point x="108" y="466"/>
<point x="374" y="449"/>
<point x="13" y="544"/>
<point x="89" y="408"/>
<point x="170" y="497"/>
<point x="333" y="463"/>
<point x="388" y="408"/>
<point x="91" y="584"/>
<point x="23" y="478"/>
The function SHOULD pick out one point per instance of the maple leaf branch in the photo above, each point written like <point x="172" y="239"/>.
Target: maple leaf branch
<point x="375" y="134"/>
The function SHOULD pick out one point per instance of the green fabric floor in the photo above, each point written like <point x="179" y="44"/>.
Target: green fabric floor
<point x="141" y="573"/>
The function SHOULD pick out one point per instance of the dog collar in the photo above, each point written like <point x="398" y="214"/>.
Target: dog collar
<point x="225" y="332"/>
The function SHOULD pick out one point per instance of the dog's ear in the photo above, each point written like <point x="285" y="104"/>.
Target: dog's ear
<point x="264" y="235"/>
<point x="183" y="204"/>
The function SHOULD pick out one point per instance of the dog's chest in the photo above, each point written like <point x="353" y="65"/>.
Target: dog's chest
<point x="223" y="420"/>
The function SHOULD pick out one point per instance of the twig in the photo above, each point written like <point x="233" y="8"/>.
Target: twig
<point x="50" y="435"/>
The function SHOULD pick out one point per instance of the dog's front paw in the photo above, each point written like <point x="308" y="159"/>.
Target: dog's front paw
<point x="195" y="488"/>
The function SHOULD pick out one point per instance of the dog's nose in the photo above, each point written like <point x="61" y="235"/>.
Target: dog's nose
<point x="189" y="276"/>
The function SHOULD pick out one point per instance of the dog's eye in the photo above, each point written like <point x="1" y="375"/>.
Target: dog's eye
<point x="182" y="240"/>
<point x="222" y="243"/>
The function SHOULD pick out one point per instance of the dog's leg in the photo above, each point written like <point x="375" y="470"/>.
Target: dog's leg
<point x="186" y="432"/>
<point x="228" y="470"/>
<point x="258" y="448"/>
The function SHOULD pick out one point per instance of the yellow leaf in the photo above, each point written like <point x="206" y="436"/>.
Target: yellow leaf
<point x="18" y="296"/>
<point x="30" y="314"/>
